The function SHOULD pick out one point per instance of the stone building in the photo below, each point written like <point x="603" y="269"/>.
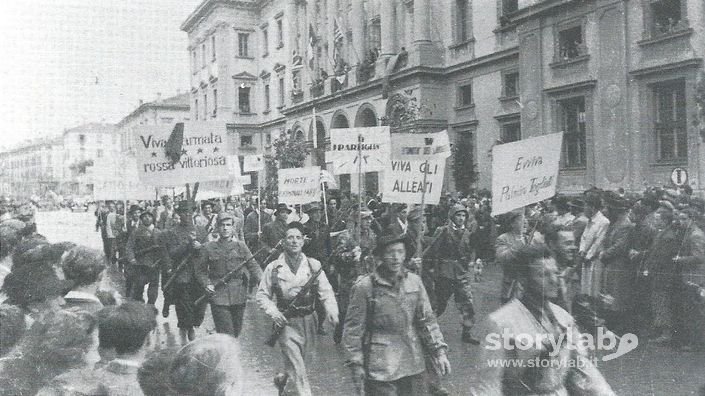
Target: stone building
<point x="90" y="152"/>
<point x="616" y="77"/>
<point x="32" y="169"/>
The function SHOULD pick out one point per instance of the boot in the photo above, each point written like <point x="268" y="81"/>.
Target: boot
<point x="437" y="390"/>
<point x="468" y="338"/>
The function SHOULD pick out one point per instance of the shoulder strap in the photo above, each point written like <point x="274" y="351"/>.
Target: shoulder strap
<point x="276" y="288"/>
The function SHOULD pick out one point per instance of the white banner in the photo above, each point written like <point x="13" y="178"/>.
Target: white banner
<point x="371" y="144"/>
<point x="298" y="186"/>
<point x="403" y="181"/>
<point x="525" y="172"/>
<point x="420" y="146"/>
<point x="253" y="163"/>
<point x="105" y="190"/>
<point x="204" y="152"/>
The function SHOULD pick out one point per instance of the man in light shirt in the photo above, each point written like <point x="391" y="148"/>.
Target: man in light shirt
<point x="591" y="246"/>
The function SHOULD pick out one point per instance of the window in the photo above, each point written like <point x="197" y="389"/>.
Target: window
<point x="570" y="43"/>
<point x="269" y="139"/>
<point x="465" y="95"/>
<point x="280" y="33"/>
<point x="461" y="21"/>
<point x="281" y="92"/>
<point x="265" y="42"/>
<point x="242" y="45"/>
<point x="666" y="17"/>
<point x="213" y="48"/>
<point x="267" y="102"/>
<point x="670" y="120"/>
<point x="205" y="106"/>
<point x="99" y="153"/>
<point x="215" y="103"/>
<point x="245" y="140"/>
<point x="375" y="35"/>
<point x="572" y="121"/>
<point x="167" y="120"/>
<point x="509" y="6"/>
<point x="195" y="106"/>
<point x="82" y="139"/>
<point x="203" y="55"/>
<point x="194" y="61"/>
<point x="243" y="95"/>
<point x="511" y="131"/>
<point x="510" y="84"/>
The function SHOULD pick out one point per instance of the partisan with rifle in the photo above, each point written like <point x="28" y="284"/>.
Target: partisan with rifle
<point x="141" y="252"/>
<point x="231" y="275"/>
<point x="291" y="308"/>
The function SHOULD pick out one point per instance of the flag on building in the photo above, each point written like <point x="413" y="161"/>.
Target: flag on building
<point x="315" y="129"/>
<point x="311" y="45"/>
<point x="337" y="38"/>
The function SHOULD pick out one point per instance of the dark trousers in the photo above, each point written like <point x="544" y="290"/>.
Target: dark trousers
<point x="141" y="275"/>
<point x="413" y="385"/>
<point x="228" y="318"/>
<point x="184" y="296"/>
<point x="444" y="288"/>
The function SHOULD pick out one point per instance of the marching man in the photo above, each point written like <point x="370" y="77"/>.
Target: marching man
<point x="216" y="261"/>
<point x="287" y="293"/>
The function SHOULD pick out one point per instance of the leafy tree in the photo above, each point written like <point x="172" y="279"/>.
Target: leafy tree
<point x="289" y="152"/>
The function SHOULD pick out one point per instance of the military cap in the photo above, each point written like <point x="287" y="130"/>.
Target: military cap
<point x="311" y="207"/>
<point x="222" y="216"/>
<point x="282" y="207"/>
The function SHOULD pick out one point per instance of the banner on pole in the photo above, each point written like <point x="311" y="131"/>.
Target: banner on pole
<point x="298" y="186"/>
<point x="203" y="154"/>
<point x="105" y="190"/>
<point x="253" y="163"/>
<point x="347" y="144"/>
<point x="403" y="181"/>
<point x="420" y="146"/>
<point x="525" y="172"/>
<point x="326" y="177"/>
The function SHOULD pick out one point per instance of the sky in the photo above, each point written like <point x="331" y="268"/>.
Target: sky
<point x="64" y="63"/>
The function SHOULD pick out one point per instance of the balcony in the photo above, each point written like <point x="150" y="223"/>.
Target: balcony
<point x="297" y="96"/>
<point x="317" y="88"/>
<point x="570" y="53"/>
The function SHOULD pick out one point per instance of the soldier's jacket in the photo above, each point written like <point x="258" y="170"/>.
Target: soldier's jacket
<point x="218" y="258"/>
<point x="402" y="326"/>
<point x="319" y="245"/>
<point x="692" y="254"/>
<point x="177" y="242"/>
<point x="273" y="232"/>
<point x="506" y="371"/>
<point x="143" y="238"/>
<point x="452" y="251"/>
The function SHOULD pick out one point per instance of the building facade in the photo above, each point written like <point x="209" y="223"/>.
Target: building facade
<point x="616" y="77"/>
<point x="90" y="152"/>
<point x="32" y="169"/>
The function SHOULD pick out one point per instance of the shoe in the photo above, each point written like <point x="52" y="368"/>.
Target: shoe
<point x="165" y="312"/>
<point x="437" y="390"/>
<point x="467" y="337"/>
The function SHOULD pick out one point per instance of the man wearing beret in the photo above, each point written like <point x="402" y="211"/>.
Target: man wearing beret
<point x="145" y="259"/>
<point x="182" y="243"/>
<point x="216" y="260"/>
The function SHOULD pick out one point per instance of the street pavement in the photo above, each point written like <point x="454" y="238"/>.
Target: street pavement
<point x="648" y="370"/>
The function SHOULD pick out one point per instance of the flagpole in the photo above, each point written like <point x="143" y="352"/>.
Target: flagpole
<point x="259" y="206"/>
<point x="419" y="236"/>
<point x="325" y="201"/>
<point x="359" y="186"/>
